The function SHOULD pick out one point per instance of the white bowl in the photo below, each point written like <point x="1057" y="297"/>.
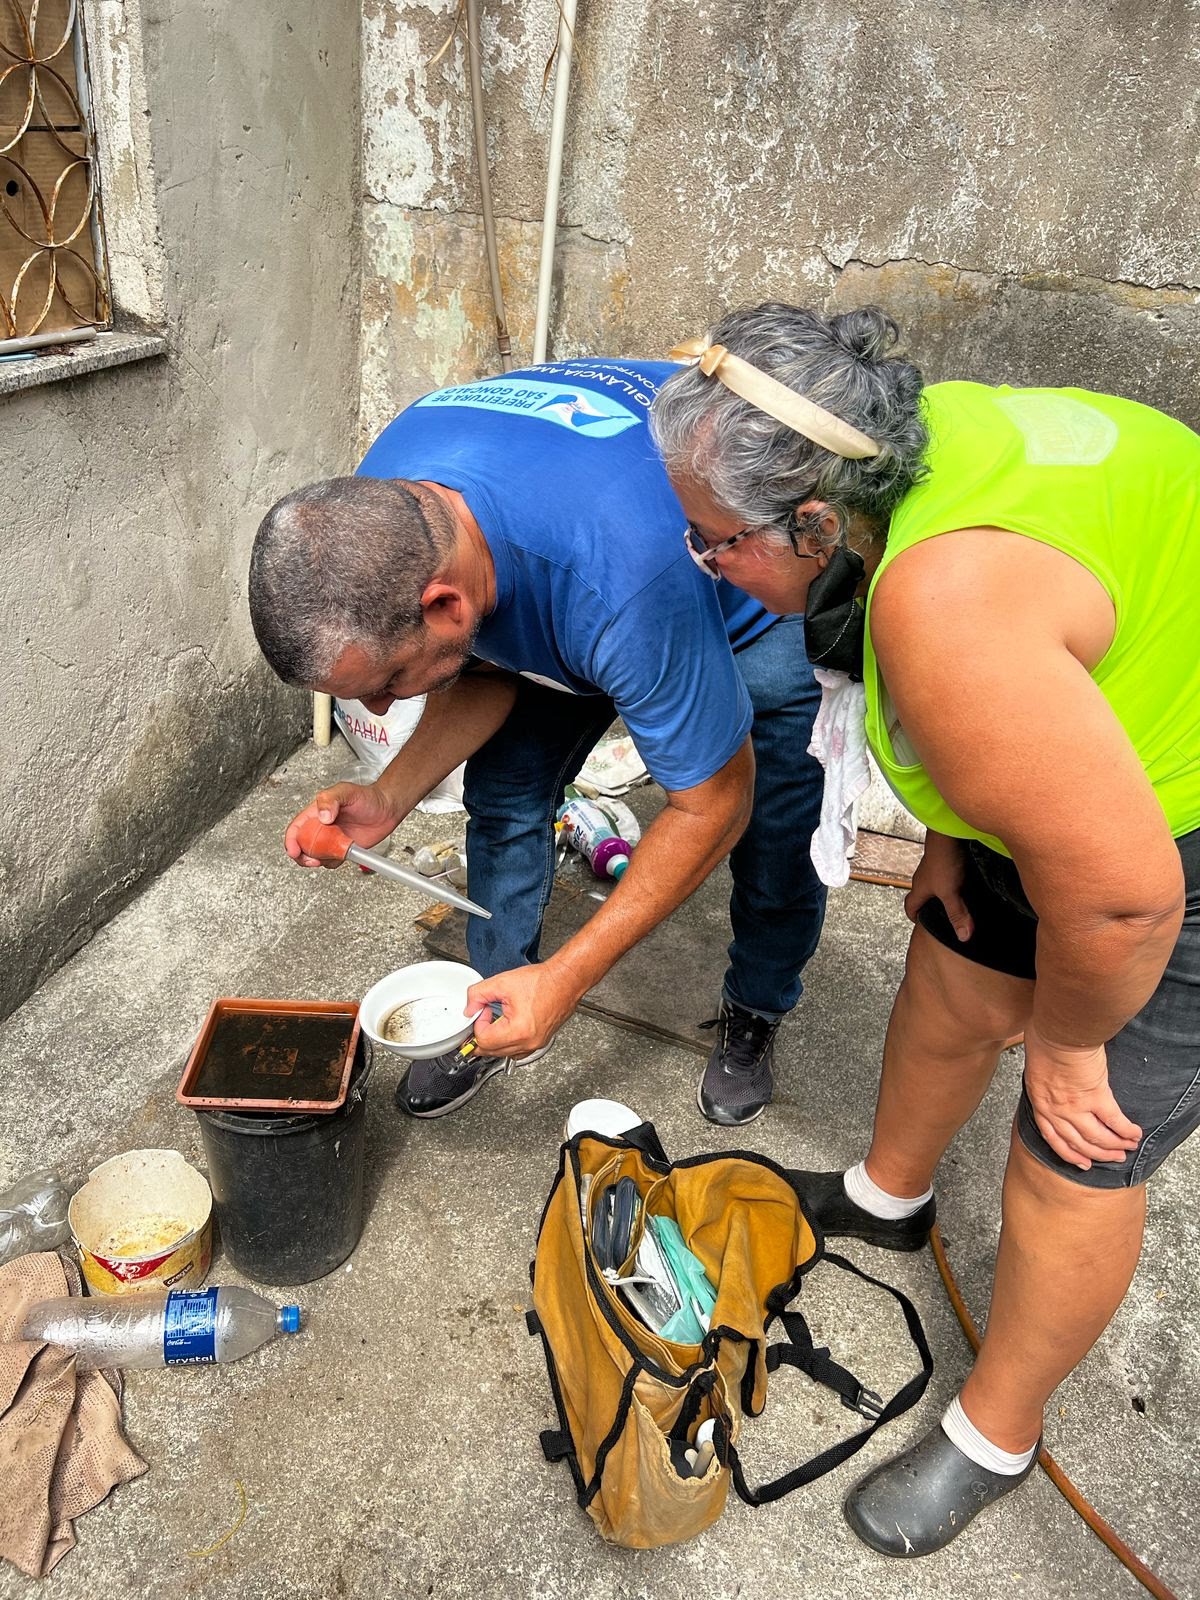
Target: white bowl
<point x="438" y="1024"/>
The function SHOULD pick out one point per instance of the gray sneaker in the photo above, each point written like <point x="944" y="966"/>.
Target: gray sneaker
<point x="443" y="1083"/>
<point x="737" y="1082"/>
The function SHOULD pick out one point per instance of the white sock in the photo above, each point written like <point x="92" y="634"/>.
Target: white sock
<point x="867" y="1194"/>
<point x="965" y="1436"/>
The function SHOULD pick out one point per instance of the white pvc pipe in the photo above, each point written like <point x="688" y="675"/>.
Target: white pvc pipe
<point x="39" y="341"/>
<point x="322" y="719"/>
<point x="558" y="128"/>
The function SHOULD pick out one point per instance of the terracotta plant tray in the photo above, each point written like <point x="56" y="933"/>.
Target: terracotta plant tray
<point x="272" y="1055"/>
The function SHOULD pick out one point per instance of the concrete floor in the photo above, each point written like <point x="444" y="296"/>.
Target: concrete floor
<point x="391" y="1449"/>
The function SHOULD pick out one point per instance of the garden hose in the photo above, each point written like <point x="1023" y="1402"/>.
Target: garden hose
<point x="1046" y="1461"/>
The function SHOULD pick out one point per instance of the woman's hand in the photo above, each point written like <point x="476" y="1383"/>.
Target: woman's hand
<point x="361" y="811"/>
<point x="1073" y="1106"/>
<point x="939" y="877"/>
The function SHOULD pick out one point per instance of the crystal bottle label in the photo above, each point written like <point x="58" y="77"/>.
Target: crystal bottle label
<point x="190" y="1330"/>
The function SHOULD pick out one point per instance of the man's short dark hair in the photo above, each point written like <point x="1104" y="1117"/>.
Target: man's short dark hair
<point x="337" y="563"/>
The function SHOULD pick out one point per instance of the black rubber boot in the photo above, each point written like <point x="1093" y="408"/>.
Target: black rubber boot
<point x="824" y="1198"/>
<point x="921" y="1500"/>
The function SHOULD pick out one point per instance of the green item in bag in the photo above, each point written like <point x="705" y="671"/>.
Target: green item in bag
<point x="695" y="1291"/>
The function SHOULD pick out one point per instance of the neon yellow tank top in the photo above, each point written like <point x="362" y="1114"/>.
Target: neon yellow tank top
<point x="1111" y="483"/>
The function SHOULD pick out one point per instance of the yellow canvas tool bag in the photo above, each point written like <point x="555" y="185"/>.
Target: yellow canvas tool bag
<point x="628" y="1401"/>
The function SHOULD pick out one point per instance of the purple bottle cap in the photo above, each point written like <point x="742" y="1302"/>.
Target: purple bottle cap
<point x="610" y="857"/>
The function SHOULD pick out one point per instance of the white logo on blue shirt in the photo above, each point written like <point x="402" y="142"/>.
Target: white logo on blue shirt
<point x="584" y="411"/>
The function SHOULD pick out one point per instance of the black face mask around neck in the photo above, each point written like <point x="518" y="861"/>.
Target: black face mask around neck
<point x="833" y="619"/>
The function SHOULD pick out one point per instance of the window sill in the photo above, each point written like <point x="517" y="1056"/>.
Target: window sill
<point x="106" y="350"/>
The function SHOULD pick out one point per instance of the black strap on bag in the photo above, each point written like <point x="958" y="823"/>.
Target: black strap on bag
<point x="799" y="1351"/>
<point x="645" y="1138"/>
<point x="556" y="1443"/>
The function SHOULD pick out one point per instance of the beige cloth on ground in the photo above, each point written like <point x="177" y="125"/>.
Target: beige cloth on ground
<point x="61" y="1444"/>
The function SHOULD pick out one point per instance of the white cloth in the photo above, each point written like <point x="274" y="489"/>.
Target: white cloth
<point x="839" y="742"/>
<point x="613" y="767"/>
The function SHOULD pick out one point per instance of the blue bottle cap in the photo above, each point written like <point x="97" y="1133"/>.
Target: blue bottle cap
<point x="289" y="1319"/>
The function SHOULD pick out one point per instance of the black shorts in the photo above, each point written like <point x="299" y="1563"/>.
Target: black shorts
<point x="1153" y="1063"/>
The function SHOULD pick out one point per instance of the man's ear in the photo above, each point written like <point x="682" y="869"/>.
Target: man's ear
<point x="444" y="608"/>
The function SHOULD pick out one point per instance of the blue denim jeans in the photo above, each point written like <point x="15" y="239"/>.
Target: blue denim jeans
<point x="514" y="785"/>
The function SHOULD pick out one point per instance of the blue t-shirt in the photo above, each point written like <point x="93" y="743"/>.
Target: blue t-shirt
<point x="595" y="592"/>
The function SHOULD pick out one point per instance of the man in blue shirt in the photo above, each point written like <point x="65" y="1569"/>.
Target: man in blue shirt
<point x="513" y="549"/>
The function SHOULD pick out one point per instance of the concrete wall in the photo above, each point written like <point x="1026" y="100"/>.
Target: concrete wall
<point x="1015" y="179"/>
<point x="136" y="707"/>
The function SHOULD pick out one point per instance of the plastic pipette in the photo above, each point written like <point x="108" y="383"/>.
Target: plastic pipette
<point x="318" y="839"/>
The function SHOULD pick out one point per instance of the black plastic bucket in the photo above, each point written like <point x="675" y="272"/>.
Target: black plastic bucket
<point x="288" y="1190"/>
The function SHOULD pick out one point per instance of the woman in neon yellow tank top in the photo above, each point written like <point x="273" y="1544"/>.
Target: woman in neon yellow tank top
<point x="1014" y="577"/>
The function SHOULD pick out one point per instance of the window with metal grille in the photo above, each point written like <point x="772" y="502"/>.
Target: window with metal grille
<point x="53" y="270"/>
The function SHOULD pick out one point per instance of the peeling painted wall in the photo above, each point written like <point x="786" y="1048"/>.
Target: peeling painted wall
<point x="1017" y="181"/>
<point x="137" y="708"/>
<point x="428" y="317"/>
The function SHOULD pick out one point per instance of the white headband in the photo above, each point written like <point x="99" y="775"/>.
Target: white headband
<point x="776" y="399"/>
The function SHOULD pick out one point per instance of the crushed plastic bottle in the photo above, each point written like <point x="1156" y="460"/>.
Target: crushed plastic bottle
<point x="33" y="1215"/>
<point x="445" y="858"/>
<point x="192" y="1328"/>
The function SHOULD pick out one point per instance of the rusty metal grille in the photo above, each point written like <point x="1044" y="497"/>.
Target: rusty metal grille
<point x="53" y="271"/>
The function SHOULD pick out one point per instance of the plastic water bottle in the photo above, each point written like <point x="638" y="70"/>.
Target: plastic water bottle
<point x="33" y="1215"/>
<point x="180" y="1329"/>
<point x="603" y="805"/>
<point x="586" y="829"/>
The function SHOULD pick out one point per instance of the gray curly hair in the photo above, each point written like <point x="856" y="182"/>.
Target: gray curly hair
<point x="759" y="469"/>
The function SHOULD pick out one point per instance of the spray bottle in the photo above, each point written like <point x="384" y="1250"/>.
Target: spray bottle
<point x="586" y="829"/>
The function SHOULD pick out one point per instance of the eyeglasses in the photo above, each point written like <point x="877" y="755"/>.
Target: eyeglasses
<point x="705" y="555"/>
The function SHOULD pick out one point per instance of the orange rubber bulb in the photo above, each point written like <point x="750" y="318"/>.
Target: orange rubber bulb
<point x="324" y="841"/>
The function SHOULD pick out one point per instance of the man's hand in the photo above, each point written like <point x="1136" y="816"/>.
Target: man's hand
<point x="939" y="876"/>
<point x="361" y="811"/>
<point x="454" y="724"/>
<point x="536" y="1001"/>
<point x="1074" y="1108"/>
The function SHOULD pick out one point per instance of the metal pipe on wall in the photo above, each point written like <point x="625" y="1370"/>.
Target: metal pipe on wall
<point x="558" y="128"/>
<point x="42" y="341"/>
<point x="475" y="77"/>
